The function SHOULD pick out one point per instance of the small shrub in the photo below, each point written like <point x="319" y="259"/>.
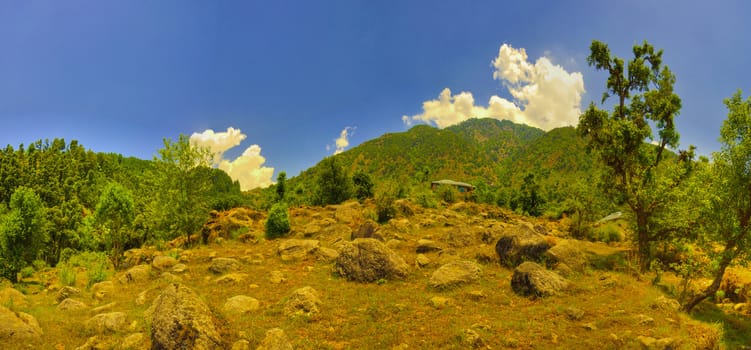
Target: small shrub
<point x="277" y="224"/>
<point x="426" y="200"/>
<point x="66" y="274"/>
<point x="39" y="265"/>
<point x="448" y="194"/>
<point x="27" y="272"/>
<point x="385" y="208"/>
<point x="96" y="269"/>
<point x="607" y="233"/>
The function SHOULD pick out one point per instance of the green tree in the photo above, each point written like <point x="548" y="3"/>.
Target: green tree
<point x="23" y="232"/>
<point x="181" y="188"/>
<point x="636" y="174"/>
<point x="363" y="185"/>
<point x="115" y="214"/>
<point x="334" y="184"/>
<point x="528" y="198"/>
<point x="281" y="186"/>
<point x="277" y="224"/>
<point x="728" y="223"/>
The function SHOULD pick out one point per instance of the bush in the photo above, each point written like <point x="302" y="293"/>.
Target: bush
<point x="67" y="274"/>
<point x="426" y="200"/>
<point x="448" y="194"/>
<point x="277" y="224"/>
<point x="385" y="208"/>
<point x="27" y="271"/>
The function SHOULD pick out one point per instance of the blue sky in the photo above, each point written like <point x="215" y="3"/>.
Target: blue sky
<point x="291" y="75"/>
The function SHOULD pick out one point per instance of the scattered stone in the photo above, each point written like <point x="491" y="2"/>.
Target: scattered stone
<point x="311" y="230"/>
<point x="297" y="249"/>
<point x="111" y="322"/>
<point x="369" y="229"/>
<point x="179" y="268"/>
<point x="163" y="262"/>
<point x="590" y="326"/>
<point x="326" y="254"/>
<point x="66" y="292"/>
<point x="71" y="305"/>
<point x="644" y="320"/>
<point x="232" y="278"/>
<point x="102" y="290"/>
<point x="103" y="308"/>
<point x="303" y="302"/>
<point x="275" y="339"/>
<point x="486" y="254"/>
<point x="277" y="277"/>
<point x="566" y="252"/>
<point x="18" y="327"/>
<point x="96" y="342"/>
<point x="454" y="274"/>
<point x="472" y="339"/>
<point x="241" y="345"/>
<point x="439" y="302"/>
<point x="180" y="320"/>
<point x="664" y="303"/>
<point x="240" y="304"/>
<point x="476" y="295"/>
<point x="422" y="261"/>
<point x="223" y="265"/>
<point x="574" y="314"/>
<point x="741" y="307"/>
<point x="427" y="246"/>
<point x="532" y="279"/>
<point x="136" y="274"/>
<point x="368" y="260"/>
<point x="10" y="296"/>
<point x="519" y="244"/>
<point x="141" y="298"/>
<point x="133" y="341"/>
<point x="166" y="276"/>
<point x="656" y="344"/>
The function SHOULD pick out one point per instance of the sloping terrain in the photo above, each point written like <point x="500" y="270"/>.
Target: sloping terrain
<point x="255" y="291"/>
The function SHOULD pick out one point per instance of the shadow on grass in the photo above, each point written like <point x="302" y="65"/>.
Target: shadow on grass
<point x="736" y="328"/>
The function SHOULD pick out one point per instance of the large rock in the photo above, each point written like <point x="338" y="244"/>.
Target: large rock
<point x="180" y="320"/>
<point x="163" y="262"/>
<point x="275" y="339"/>
<point x="297" y="249"/>
<point x="110" y="322"/>
<point x="532" y="279"/>
<point x="102" y="290"/>
<point x="136" y="274"/>
<point x="369" y="229"/>
<point x="303" y="302"/>
<point x="568" y="253"/>
<point x="519" y="244"/>
<point x="240" y="304"/>
<point x="223" y="265"/>
<point x="66" y="292"/>
<point x="18" y="328"/>
<point x="10" y="296"/>
<point x="71" y="305"/>
<point x="368" y="260"/>
<point x="454" y="274"/>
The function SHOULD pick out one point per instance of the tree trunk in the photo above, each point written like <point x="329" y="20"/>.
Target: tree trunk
<point x="727" y="256"/>
<point x="642" y="241"/>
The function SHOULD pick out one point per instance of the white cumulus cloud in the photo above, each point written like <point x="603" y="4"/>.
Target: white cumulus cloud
<point x="247" y="168"/>
<point x="342" y="141"/>
<point x="545" y="95"/>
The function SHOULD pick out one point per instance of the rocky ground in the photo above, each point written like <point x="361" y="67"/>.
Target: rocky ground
<point x="466" y="276"/>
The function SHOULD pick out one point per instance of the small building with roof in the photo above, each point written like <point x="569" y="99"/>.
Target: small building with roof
<point x="462" y="187"/>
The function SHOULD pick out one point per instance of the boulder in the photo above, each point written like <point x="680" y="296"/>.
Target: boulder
<point x="241" y="344"/>
<point x="566" y="252"/>
<point x="71" y="305"/>
<point x="136" y="274"/>
<point x="110" y="322"/>
<point x="102" y="290"/>
<point x="297" y="249"/>
<point x="223" y="265"/>
<point x="368" y="260"/>
<point x="18" y="327"/>
<point x="97" y="342"/>
<point x="181" y="320"/>
<point x="240" y="304"/>
<point x="66" y="292"/>
<point x="369" y="229"/>
<point x="275" y="339"/>
<point x="133" y="341"/>
<point x="519" y="244"/>
<point x="232" y="278"/>
<point x="10" y="296"/>
<point x="664" y="303"/>
<point x="163" y="262"/>
<point x="454" y="274"/>
<point x="277" y="277"/>
<point x="326" y="254"/>
<point x="303" y="302"/>
<point x="427" y="246"/>
<point x="534" y="280"/>
<point x="422" y="261"/>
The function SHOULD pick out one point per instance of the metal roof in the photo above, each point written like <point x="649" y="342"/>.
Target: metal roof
<point x="453" y="183"/>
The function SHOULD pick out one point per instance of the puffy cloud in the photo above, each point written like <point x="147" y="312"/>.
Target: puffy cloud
<point x="342" y="141"/>
<point x="545" y="95"/>
<point x="247" y="169"/>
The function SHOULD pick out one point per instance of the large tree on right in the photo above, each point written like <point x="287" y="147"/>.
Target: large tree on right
<point x="641" y="171"/>
<point x="727" y="183"/>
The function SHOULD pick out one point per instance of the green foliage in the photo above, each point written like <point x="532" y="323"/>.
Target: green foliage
<point x="639" y="174"/>
<point x="529" y="199"/>
<point x="66" y="273"/>
<point x="281" y="186"/>
<point x="363" y="185"/>
<point x="426" y="199"/>
<point x="224" y="194"/>
<point x="96" y="269"/>
<point x="277" y="224"/>
<point x="115" y="214"/>
<point x="23" y="232"/>
<point x="447" y="193"/>
<point x="333" y="183"/>
<point x="180" y="189"/>
<point x="27" y="272"/>
<point x="384" y="201"/>
<point x="608" y="232"/>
